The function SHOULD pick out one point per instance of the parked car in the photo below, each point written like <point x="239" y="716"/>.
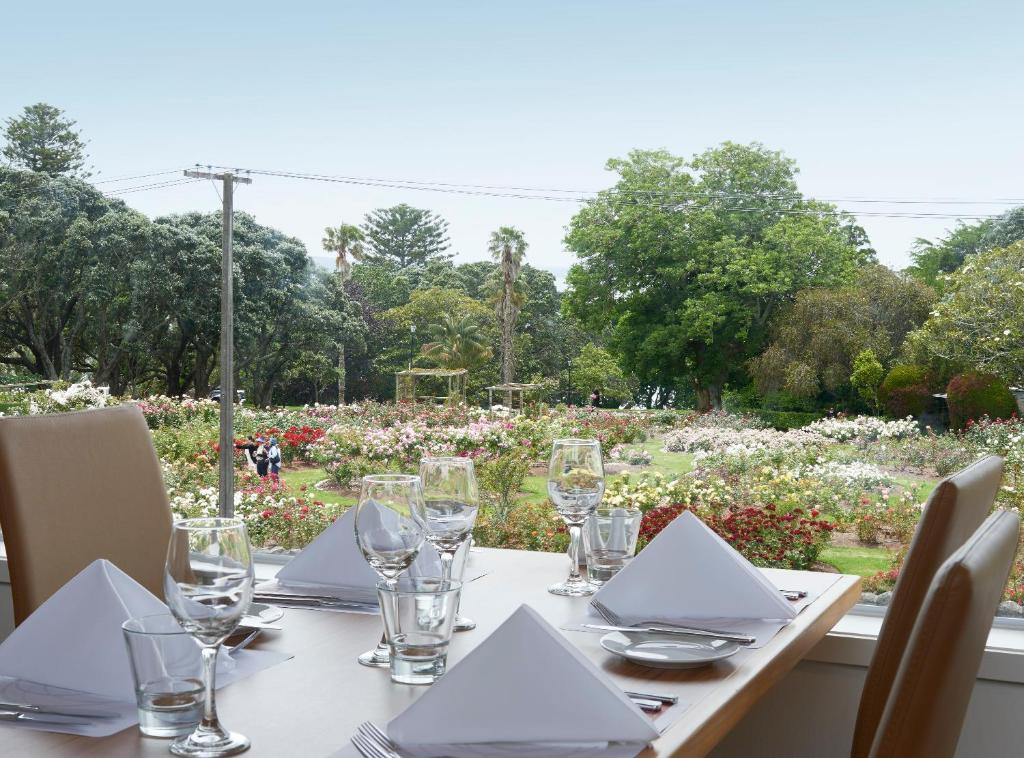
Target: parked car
<point x="215" y="395"/>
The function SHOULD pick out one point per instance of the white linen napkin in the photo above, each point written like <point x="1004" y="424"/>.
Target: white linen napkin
<point x="689" y="574"/>
<point x="525" y="684"/>
<point x="71" y="651"/>
<point x="333" y="564"/>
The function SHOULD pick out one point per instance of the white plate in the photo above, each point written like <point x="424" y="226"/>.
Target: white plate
<point x="261" y="613"/>
<point x="665" y="651"/>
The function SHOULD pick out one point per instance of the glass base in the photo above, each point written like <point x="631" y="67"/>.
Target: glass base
<point x="573" y="589"/>
<point x="463" y="624"/>
<point x="210" y="744"/>
<point x="378" y="658"/>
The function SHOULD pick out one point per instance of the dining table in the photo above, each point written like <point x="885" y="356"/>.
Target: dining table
<point x="311" y="704"/>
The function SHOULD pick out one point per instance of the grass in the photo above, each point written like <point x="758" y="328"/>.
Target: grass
<point x="310" y="477"/>
<point x="669" y="464"/>
<point x="862" y="561"/>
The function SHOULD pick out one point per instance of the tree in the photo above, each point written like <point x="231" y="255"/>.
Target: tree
<point x="42" y="140"/>
<point x="405" y="236"/>
<point x="595" y="368"/>
<point x="507" y="248"/>
<point x="867" y="375"/>
<point x="345" y="241"/>
<point x="815" y="339"/>
<point x="979" y="323"/>
<point x="685" y="264"/>
<point x="457" y="341"/>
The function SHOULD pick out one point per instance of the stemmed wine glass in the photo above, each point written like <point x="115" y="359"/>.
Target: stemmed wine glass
<point x="389" y="533"/>
<point x="575" y="486"/>
<point x="208" y="584"/>
<point x="452" y="500"/>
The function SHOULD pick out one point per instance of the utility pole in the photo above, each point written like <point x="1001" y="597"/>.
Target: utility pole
<point x="227" y="342"/>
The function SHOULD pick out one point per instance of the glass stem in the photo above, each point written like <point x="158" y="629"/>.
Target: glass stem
<point x="209" y="721"/>
<point x="575" y="532"/>
<point x="447" y="559"/>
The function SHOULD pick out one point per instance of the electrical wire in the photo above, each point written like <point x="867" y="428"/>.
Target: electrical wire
<point x="136" y="176"/>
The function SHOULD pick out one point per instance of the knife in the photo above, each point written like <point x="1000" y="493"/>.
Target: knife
<point x="742" y="639"/>
<point x="43" y="718"/>
<point x="57" y="711"/>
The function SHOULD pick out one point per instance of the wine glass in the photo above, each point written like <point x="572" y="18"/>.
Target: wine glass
<point x="452" y="500"/>
<point x="389" y="533"/>
<point x="575" y="486"/>
<point x="208" y="584"/>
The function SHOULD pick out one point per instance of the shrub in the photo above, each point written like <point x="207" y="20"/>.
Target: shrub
<point x="500" y="480"/>
<point x="905" y="391"/>
<point x="973" y="395"/>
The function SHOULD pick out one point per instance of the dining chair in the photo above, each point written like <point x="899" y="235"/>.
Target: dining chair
<point x="930" y="694"/>
<point x="955" y="509"/>
<point x="75" y="487"/>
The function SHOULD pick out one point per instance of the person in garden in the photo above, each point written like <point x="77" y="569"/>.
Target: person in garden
<point x="274" y="457"/>
<point x="595" y="398"/>
<point x="250" y="447"/>
<point x="262" y="457"/>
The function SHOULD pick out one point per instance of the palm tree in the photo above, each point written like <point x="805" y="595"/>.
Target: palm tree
<point x="507" y="247"/>
<point x="457" y="342"/>
<point x="345" y="241"/>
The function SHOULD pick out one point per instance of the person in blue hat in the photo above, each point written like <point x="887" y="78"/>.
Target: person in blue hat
<point x="274" y="457"/>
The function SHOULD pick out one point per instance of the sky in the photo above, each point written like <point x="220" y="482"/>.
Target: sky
<point x="874" y="100"/>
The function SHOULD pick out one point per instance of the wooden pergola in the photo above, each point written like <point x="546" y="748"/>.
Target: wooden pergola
<point x="511" y="390"/>
<point x="406" y="381"/>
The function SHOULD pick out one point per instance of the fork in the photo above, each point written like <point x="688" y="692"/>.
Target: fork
<point x="375" y="736"/>
<point x="366" y="748"/>
<point x="616" y="620"/>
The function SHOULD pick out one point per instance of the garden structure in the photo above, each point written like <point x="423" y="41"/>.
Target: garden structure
<point x="407" y="382"/>
<point x="512" y="392"/>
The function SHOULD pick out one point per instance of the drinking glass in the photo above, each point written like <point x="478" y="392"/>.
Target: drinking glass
<point x="389" y="532"/>
<point x="168" y="672"/>
<point x="419" y="615"/>
<point x="575" y="486"/>
<point x="208" y="583"/>
<point x="610" y="537"/>
<point x="452" y="501"/>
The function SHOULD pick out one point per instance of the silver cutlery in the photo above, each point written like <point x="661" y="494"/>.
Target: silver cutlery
<point x="245" y="642"/>
<point x="312" y="601"/>
<point x="56" y="711"/>
<point x="366" y="748"/>
<point x="34" y="717"/>
<point x="615" y="620"/>
<point x="682" y="631"/>
<point x="374" y="738"/>
<point x="666" y="699"/>
<point x="649" y="706"/>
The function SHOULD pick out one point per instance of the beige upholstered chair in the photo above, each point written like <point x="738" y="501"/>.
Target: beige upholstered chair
<point x="952" y="514"/>
<point x="926" y="707"/>
<point x="76" y="487"/>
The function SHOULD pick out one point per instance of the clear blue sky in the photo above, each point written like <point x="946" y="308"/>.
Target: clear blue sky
<point x="908" y="99"/>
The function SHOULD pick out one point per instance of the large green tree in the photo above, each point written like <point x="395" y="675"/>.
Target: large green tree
<point x="687" y="262"/>
<point x="346" y="242"/>
<point x="405" y="236"/>
<point x="41" y="139"/>
<point x="816" y="338"/>
<point x="979" y="323"/>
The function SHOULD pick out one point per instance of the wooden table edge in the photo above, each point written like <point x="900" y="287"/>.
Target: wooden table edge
<point x="715" y="716"/>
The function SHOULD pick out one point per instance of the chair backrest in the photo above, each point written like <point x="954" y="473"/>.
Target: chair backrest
<point x="955" y="509"/>
<point x="76" y="487"/>
<point x="929" y="698"/>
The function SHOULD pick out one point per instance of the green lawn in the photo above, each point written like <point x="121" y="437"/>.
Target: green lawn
<point x="863" y="561"/>
<point x="669" y="464"/>
<point x="310" y="477"/>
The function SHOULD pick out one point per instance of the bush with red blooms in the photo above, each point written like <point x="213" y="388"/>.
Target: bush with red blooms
<point x="764" y="536"/>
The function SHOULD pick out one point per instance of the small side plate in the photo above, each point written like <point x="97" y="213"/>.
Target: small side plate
<point x="262" y="613"/>
<point x="668" y="651"/>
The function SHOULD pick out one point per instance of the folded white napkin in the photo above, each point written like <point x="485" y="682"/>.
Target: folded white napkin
<point x="525" y="684"/>
<point x="74" y="639"/>
<point x="690" y="574"/>
<point x="334" y="561"/>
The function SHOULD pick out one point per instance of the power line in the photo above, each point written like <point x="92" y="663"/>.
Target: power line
<point x="137" y="176"/>
<point x="416" y="183"/>
<point x="467" y="190"/>
<point x="143" y="187"/>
